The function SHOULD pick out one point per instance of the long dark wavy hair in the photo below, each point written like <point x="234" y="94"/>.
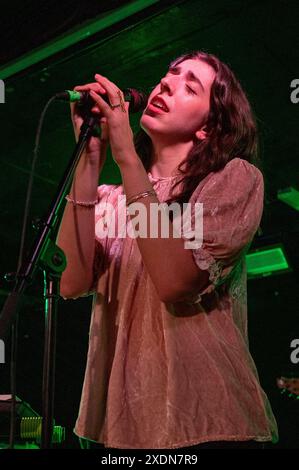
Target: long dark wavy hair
<point x="230" y="126"/>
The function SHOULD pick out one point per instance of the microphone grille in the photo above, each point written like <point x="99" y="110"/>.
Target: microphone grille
<point x="138" y="100"/>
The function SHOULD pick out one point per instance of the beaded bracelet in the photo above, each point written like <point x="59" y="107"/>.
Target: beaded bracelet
<point x="82" y="203"/>
<point x="151" y="192"/>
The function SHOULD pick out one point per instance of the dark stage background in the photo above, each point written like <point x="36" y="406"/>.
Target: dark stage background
<point x="259" y="40"/>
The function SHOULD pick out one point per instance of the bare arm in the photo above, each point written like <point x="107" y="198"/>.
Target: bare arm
<point x="76" y="234"/>
<point x="170" y="265"/>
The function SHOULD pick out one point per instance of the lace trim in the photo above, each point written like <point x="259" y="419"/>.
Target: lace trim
<point x="205" y="261"/>
<point x="238" y="287"/>
<point x="236" y="275"/>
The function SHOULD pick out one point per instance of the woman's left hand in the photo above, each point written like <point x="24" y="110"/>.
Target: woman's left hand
<point x="119" y="129"/>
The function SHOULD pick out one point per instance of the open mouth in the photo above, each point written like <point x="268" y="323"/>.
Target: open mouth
<point x="156" y="109"/>
<point x="158" y="103"/>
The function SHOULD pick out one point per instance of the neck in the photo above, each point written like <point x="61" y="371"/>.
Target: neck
<point x="167" y="157"/>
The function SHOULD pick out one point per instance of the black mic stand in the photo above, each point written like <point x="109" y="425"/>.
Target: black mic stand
<point x="47" y="255"/>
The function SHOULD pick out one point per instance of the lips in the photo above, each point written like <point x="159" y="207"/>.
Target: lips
<point x="157" y="100"/>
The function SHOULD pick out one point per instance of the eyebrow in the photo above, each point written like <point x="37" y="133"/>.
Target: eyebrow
<point x="190" y="75"/>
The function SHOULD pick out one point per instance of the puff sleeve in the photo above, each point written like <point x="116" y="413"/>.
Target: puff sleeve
<point x="232" y="208"/>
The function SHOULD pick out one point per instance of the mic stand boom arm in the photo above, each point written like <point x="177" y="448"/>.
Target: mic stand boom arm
<point x="51" y="259"/>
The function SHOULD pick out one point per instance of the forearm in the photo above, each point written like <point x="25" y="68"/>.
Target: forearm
<point x="76" y="232"/>
<point x="169" y="264"/>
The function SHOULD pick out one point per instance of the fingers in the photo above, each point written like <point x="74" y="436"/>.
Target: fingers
<point x="101" y="107"/>
<point x="91" y="86"/>
<point x="96" y="88"/>
<point x="114" y="93"/>
<point x="127" y="105"/>
<point x="103" y="86"/>
<point x="109" y="86"/>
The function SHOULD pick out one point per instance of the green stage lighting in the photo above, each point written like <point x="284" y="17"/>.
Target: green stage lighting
<point x="290" y="196"/>
<point x="74" y="36"/>
<point x="266" y="261"/>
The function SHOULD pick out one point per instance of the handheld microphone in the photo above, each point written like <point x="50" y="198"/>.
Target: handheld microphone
<point x="137" y="99"/>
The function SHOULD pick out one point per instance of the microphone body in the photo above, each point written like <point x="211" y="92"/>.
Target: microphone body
<point x="137" y="99"/>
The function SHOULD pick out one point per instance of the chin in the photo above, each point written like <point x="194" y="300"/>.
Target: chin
<point x="151" y="125"/>
<point x="147" y="124"/>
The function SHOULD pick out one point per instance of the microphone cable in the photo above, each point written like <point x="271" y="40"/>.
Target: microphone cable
<point x="14" y="327"/>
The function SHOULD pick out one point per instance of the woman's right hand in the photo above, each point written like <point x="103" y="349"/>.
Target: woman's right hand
<point x="96" y="147"/>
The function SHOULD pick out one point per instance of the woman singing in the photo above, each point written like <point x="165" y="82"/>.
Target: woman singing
<point x="168" y="362"/>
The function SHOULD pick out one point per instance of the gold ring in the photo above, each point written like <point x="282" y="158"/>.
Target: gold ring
<point x="121" y="103"/>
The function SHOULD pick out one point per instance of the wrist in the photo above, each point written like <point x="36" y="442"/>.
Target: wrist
<point x="83" y="194"/>
<point x="130" y="161"/>
<point x="87" y="204"/>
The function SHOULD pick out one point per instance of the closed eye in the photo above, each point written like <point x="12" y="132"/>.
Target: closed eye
<point x="175" y="71"/>
<point x="190" y="90"/>
<point x="189" y="76"/>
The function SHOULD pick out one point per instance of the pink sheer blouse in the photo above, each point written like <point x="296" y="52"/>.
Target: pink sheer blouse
<point x="162" y="375"/>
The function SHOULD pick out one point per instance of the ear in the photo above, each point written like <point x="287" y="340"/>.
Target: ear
<point x="202" y="133"/>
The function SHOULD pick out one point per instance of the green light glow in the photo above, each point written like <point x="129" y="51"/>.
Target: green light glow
<point x="100" y="23"/>
<point x="289" y="196"/>
<point x="266" y="261"/>
<point x="24" y="446"/>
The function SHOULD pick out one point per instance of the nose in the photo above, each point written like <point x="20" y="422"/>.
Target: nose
<point x="166" y="85"/>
